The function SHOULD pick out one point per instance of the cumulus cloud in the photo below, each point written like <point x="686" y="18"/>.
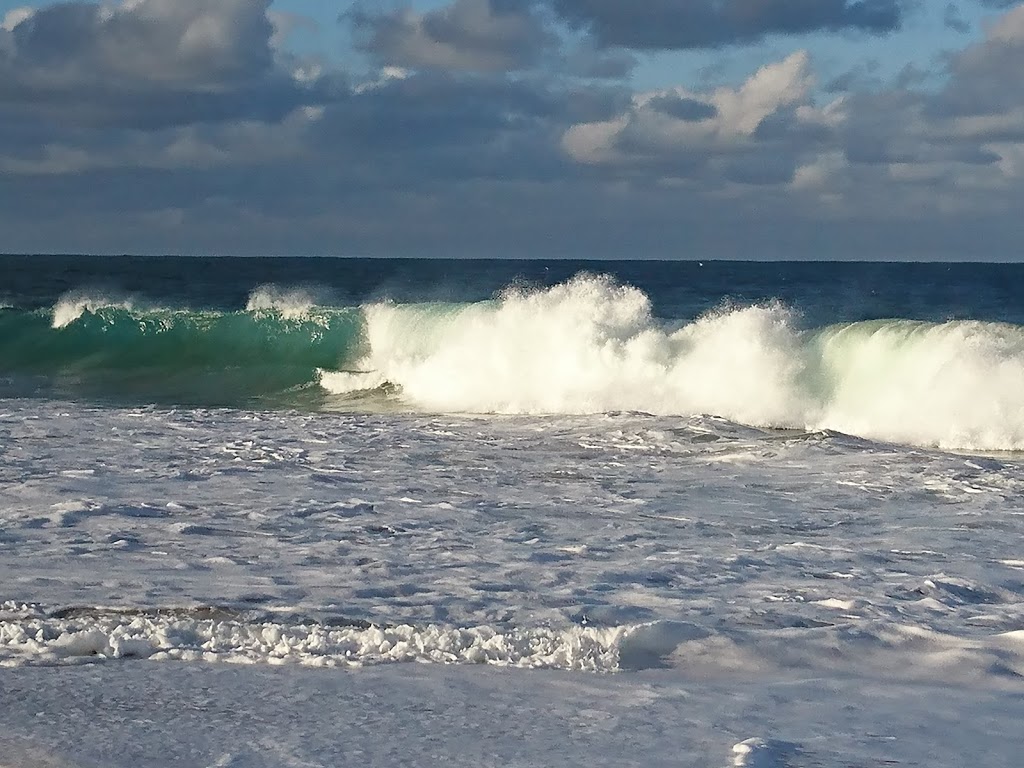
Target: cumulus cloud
<point x="885" y="153"/>
<point x="144" y="63"/>
<point x="754" y="132"/>
<point x="985" y="77"/>
<point x="145" y="41"/>
<point x="468" y="35"/>
<point x="679" y="24"/>
<point x="15" y="17"/>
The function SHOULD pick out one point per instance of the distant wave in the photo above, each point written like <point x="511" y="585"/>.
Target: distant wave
<point x="589" y="345"/>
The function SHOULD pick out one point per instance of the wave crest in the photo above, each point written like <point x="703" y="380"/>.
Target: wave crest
<point x="71" y="306"/>
<point x="288" y="303"/>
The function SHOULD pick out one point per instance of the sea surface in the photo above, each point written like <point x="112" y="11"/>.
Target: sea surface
<point x="652" y="484"/>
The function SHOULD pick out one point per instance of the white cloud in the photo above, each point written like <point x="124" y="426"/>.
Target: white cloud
<point x="1009" y="28"/>
<point x="721" y="121"/>
<point x="785" y="83"/>
<point x="385" y="76"/>
<point x="15" y="17"/>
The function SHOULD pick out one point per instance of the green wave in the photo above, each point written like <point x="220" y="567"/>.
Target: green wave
<point x="177" y="356"/>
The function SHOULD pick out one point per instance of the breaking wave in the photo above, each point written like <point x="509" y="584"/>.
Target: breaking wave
<point x="591" y="345"/>
<point x="585" y="346"/>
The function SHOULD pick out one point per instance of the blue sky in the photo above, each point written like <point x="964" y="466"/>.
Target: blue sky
<point x="837" y="129"/>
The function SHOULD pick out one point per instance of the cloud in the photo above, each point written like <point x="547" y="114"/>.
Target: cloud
<point x="953" y="19"/>
<point x="468" y="35"/>
<point x="15" y="17"/>
<point x="158" y="126"/>
<point x="589" y="61"/>
<point x="984" y="78"/>
<point x="144" y="63"/>
<point x="682" y="24"/>
<point x="897" y="155"/>
<point x="179" y="42"/>
<point x="753" y="133"/>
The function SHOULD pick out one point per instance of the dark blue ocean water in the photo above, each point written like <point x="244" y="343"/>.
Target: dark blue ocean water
<point x="824" y="292"/>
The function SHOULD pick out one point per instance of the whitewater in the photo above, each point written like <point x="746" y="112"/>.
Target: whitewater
<point x="331" y="512"/>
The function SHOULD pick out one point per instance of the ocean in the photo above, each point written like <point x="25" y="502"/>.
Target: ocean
<point x="260" y="512"/>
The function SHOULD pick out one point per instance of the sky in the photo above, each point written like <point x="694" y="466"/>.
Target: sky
<point x="680" y="129"/>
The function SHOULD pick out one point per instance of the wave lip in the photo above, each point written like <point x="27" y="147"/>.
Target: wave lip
<point x="956" y="385"/>
<point x="72" y="306"/>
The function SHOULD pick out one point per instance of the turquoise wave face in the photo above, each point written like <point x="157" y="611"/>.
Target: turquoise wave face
<point x="183" y="357"/>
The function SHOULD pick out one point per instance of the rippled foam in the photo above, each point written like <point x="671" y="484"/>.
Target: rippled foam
<point x="49" y="640"/>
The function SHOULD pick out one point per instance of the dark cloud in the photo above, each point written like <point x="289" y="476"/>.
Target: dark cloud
<point x="985" y="77"/>
<point x="174" y="42"/>
<point x="589" y="61"/>
<point x="680" y="24"/>
<point x="146" y="64"/>
<point x="953" y="19"/>
<point x="468" y="35"/>
<point x="682" y="108"/>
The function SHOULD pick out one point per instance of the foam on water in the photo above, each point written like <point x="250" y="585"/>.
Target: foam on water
<point x="117" y="635"/>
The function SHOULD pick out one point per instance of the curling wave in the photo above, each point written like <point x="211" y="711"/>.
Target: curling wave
<point x="117" y="347"/>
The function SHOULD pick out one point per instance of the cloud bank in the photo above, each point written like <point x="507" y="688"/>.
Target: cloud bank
<point x="507" y="128"/>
